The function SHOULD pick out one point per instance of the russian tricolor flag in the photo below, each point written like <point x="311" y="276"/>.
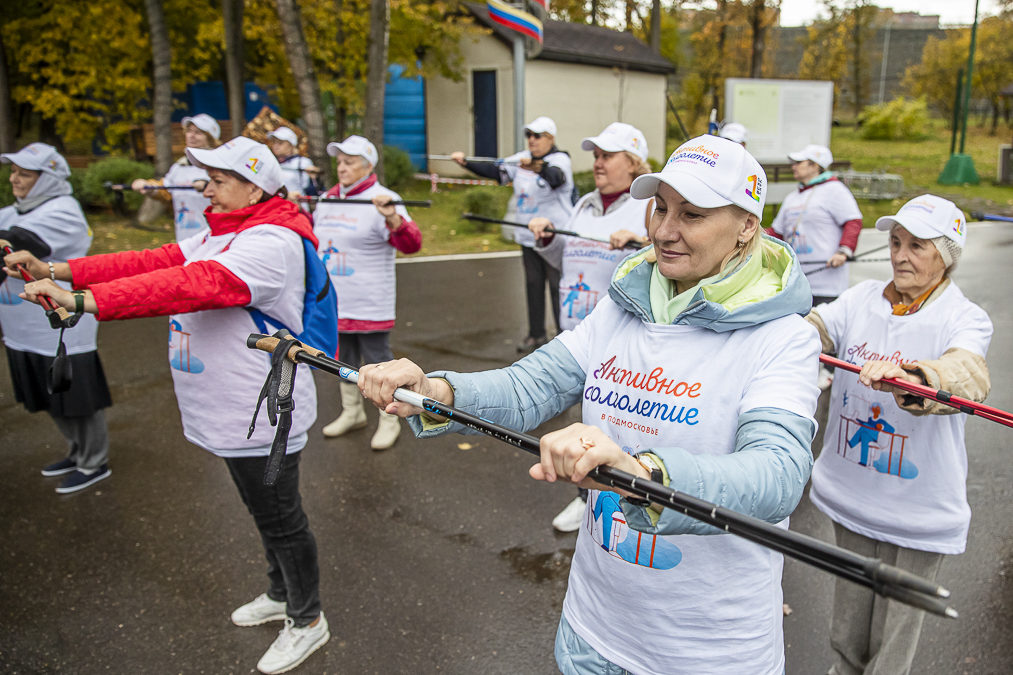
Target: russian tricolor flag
<point x="515" y="19"/>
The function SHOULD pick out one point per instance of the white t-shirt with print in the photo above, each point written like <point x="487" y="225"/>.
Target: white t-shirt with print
<point x="207" y="350"/>
<point x="61" y="224"/>
<point x="811" y="221"/>
<point x="187" y="205"/>
<point x="588" y="265"/>
<point x="355" y="250"/>
<point x="534" y="198"/>
<point x="883" y="472"/>
<point x="684" y="604"/>
<point x="294" y="175"/>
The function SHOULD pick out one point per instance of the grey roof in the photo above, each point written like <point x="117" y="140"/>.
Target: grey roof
<point x="582" y="43"/>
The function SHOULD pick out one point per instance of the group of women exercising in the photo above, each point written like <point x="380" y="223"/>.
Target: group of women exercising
<point x="698" y="368"/>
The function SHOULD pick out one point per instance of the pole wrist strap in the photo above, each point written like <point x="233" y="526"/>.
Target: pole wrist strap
<point x="278" y="390"/>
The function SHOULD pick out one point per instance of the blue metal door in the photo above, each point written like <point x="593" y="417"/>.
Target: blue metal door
<point x="404" y="116"/>
<point x="483" y="87"/>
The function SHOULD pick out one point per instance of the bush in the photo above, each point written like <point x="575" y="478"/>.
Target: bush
<point x="483" y="201"/>
<point x="397" y="166"/>
<point x="113" y="170"/>
<point x="899" y="119"/>
<point x="584" y="182"/>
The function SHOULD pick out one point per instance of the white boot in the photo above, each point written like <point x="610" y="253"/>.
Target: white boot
<point x="353" y="414"/>
<point x="387" y="432"/>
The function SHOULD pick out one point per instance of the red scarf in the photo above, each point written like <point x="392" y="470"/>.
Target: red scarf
<point x="275" y="211"/>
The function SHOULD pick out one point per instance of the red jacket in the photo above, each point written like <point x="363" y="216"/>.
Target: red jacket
<point x="158" y="282"/>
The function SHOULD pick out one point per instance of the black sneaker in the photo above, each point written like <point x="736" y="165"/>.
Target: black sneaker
<point x="60" y="468"/>
<point x="79" y="480"/>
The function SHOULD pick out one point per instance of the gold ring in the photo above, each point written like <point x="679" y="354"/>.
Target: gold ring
<point x="379" y="367"/>
<point x="586" y="443"/>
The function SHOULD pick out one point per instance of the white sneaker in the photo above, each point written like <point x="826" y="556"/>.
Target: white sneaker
<point x="825" y="379"/>
<point x="386" y="432"/>
<point x="353" y="414"/>
<point x="570" y="518"/>
<point x="261" y="610"/>
<point x="293" y="646"/>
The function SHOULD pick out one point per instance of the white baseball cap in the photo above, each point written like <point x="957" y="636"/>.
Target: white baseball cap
<point x="928" y="217"/>
<point x="39" y="157"/>
<point x="541" y="125"/>
<point x="252" y="160"/>
<point x="618" y="137"/>
<point x="817" y="153"/>
<point x="204" y="123"/>
<point x="285" y="134"/>
<point x="734" y="131"/>
<point x="355" y="146"/>
<point x="710" y="172"/>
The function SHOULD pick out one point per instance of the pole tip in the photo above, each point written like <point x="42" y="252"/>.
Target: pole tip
<point x="952" y="613"/>
<point x="978" y="215"/>
<point x="942" y="592"/>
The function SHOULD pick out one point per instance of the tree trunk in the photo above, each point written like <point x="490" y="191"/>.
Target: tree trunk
<point x="6" y="107"/>
<point x="629" y="16"/>
<point x="301" y="63"/>
<point x="857" y="60"/>
<point x="340" y="105"/>
<point x="376" y="80"/>
<point x="232" y="17"/>
<point x="594" y="12"/>
<point x="759" y="31"/>
<point x="161" y="103"/>
<point x="656" y="26"/>
<point x="722" y="34"/>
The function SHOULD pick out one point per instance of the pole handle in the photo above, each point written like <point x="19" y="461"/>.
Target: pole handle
<point x="267" y="343"/>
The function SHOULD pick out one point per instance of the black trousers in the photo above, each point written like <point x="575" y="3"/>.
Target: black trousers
<point x="536" y="273"/>
<point x="361" y="349"/>
<point x="284" y="529"/>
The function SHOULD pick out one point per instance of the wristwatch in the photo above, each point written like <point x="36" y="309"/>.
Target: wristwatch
<point x="651" y="465"/>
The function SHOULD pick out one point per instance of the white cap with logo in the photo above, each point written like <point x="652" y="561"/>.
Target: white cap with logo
<point x="541" y="125"/>
<point x="817" y="153"/>
<point x="618" y="137"/>
<point x="734" y="131"/>
<point x="928" y="217"/>
<point x="710" y="172"/>
<point x="285" y="134"/>
<point x="252" y="160"/>
<point x="355" y="146"/>
<point x="204" y="123"/>
<point x="39" y="157"/>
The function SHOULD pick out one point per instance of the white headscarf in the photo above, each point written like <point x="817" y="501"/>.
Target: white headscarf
<point x="46" y="187"/>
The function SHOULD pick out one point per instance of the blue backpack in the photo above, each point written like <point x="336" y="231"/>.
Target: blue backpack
<point x="319" y="310"/>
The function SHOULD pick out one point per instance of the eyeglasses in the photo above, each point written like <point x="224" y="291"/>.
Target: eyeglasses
<point x="531" y="134"/>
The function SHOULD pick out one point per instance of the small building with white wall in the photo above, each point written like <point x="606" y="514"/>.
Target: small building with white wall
<point x="585" y="78"/>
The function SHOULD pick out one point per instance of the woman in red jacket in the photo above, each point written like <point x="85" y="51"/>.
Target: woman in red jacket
<point x="252" y="258"/>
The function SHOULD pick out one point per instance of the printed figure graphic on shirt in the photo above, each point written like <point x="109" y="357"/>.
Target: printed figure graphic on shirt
<point x="573" y="298"/>
<point x="526" y="202"/>
<point x="334" y="261"/>
<point x="186" y="219"/>
<point x="882" y="446"/>
<point x="180" y="357"/>
<point x="7" y="297"/>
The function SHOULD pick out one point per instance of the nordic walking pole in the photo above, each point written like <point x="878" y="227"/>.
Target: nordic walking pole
<point x="886" y="580"/>
<point x="570" y="233"/>
<point x="978" y="215"/>
<point x="116" y="187"/>
<point x="946" y="398"/>
<point x="852" y="259"/>
<point x="46" y="302"/>
<point x="485" y="160"/>
<point x="397" y="202"/>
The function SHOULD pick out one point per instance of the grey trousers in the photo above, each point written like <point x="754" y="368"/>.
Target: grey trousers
<point x="871" y="635"/>
<point x="88" y="438"/>
<point x="363" y="349"/>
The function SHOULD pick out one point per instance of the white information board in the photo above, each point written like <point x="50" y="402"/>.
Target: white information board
<point x="781" y="115"/>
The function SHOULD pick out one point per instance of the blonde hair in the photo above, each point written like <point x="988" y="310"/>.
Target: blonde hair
<point x="640" y="167"/>
<point x="740" y="254"/>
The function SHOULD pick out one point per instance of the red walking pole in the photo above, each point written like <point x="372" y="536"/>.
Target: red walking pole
<point x="944" y="397"/>
<point x="46" y="302"/>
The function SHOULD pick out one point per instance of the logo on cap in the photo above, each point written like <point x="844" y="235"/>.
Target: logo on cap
<point x="52" y="165"/>
<point x="636" y="142"/>
<point x="32" y="149"/>
<point x="753" y="189"/>
<point x="253" y="164"/>
<point x="958" y="226"/>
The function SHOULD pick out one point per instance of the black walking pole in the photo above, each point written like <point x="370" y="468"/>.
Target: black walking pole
<point x="394" y="202"/>
<point x="115" y="187"/>
<point x="886" y="580"/>
<point x="570" y="233"/>
<point x="855" y="258"/>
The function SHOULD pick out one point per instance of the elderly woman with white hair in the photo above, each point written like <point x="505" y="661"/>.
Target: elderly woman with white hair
<point x="608" y="213"/>
<point x="358" y="246"/>
<point x="542" y="179"/>
<point x="892" y="474"/>
<point x="200" y="132"/>
<point x="47" y="222"/>
<point x="698" y="371"/>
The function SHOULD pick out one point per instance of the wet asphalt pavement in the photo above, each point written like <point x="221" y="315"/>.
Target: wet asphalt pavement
<point x="435" y="556"/>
